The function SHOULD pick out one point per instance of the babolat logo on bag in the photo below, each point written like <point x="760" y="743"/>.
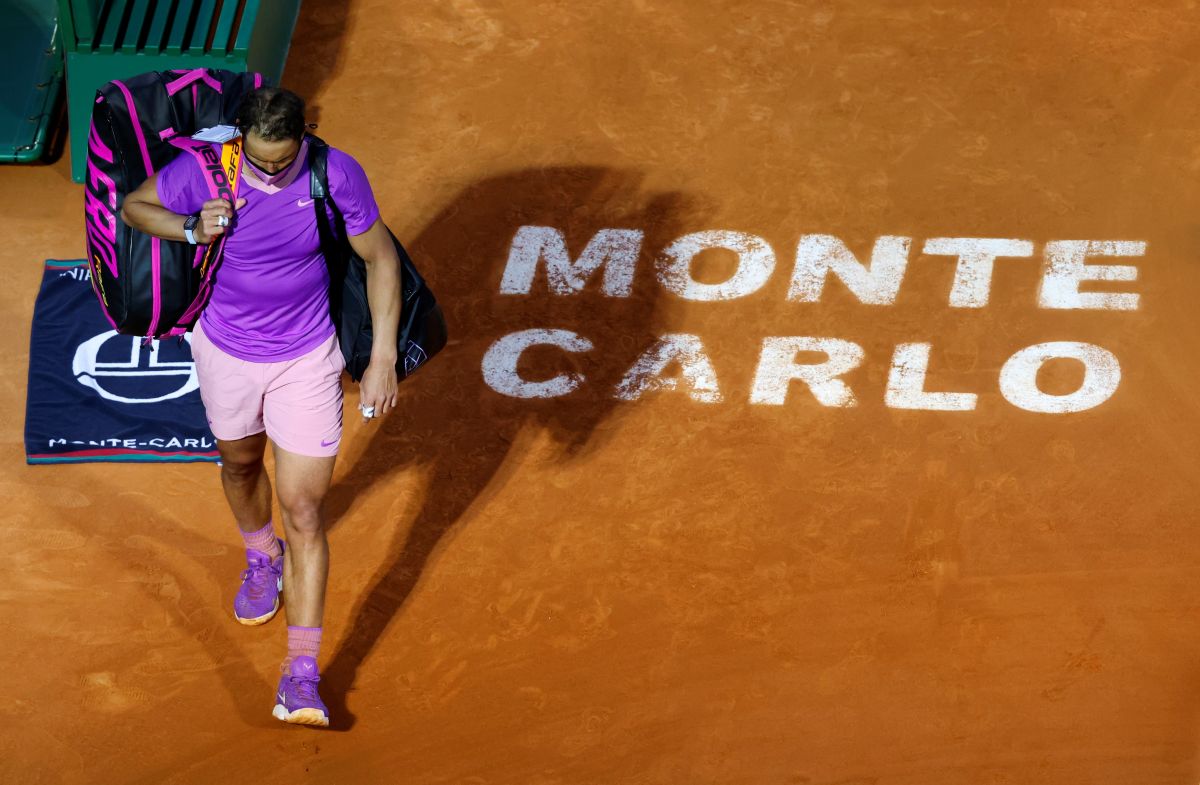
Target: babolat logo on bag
<point x="222" y="171"/>
<point x="146" y="285"/>
<point x="219" y="176"/>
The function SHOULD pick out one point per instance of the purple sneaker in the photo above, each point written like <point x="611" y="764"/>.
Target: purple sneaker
<point x="257" y="600"/>
<point x="297" y="700"/>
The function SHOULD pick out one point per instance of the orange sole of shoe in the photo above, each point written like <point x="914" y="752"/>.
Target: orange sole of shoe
<point x="259" y="620"/>
<point x="301" y="716"/>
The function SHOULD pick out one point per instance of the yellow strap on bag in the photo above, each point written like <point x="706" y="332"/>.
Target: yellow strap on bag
<point x="231" y="164"/>
<point x="231" y="161"/>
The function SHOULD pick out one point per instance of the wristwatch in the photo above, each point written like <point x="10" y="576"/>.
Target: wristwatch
<point x="189" y="224"/>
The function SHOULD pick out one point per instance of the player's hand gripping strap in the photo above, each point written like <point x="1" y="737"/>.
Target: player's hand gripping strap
<point x="223" y="181"/>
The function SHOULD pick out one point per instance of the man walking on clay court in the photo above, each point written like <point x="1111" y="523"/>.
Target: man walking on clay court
<point x="268" y="360"/>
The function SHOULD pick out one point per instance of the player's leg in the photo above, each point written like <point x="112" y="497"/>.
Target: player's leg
<point x="232" y="391"/>
<point x="302" y="482"/>
<point x="303" y="415"/>
<point x="245" y="480"/>
<point x="248" y="490"/>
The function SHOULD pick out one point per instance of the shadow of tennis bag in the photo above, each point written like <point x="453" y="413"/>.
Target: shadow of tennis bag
<point x="156" y="288"/>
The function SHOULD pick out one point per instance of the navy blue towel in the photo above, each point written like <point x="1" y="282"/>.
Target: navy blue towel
<point x="96" y="395"/>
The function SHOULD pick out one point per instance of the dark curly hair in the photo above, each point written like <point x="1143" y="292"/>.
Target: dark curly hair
<point x="273" y="113"/>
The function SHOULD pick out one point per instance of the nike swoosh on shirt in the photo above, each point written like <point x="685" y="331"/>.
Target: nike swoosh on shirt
<point x="302" y="203"/>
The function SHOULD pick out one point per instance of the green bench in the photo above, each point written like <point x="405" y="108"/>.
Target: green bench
<point x="116" y="39"/>
<point x="31" y="61"/>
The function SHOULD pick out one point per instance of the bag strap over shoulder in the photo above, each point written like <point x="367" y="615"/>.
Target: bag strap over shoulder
<point x="318" y="189"/>
<point x="331" y="247"/>
<point x="318" y="164"/>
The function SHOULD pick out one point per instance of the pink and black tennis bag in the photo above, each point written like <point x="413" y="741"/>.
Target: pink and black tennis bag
<point x="148" y="286"/>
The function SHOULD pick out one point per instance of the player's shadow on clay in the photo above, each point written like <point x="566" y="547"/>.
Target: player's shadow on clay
<point x="450" y="425"/>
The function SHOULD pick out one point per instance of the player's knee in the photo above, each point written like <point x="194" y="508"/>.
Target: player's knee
<point x="302" y="514"/>
<point x="242" y="470"/>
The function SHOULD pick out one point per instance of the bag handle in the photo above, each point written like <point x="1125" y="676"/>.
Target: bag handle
<point x="188" y="77"/>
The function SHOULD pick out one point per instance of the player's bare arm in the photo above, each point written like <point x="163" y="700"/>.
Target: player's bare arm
<point x="144" y="211"/>
<point x="375" y="246"/>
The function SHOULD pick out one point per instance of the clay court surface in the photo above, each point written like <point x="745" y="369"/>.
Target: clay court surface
<point x="586" y="590"/>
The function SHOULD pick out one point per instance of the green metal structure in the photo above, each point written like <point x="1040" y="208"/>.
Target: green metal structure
<point x="116" y="39"/>
<point x="32" y="61"/>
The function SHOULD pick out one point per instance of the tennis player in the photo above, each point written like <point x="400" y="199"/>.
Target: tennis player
<point x="268" y="360"/>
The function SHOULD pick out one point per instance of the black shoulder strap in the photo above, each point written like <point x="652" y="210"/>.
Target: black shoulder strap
<point x="318" y="189"/>
<point x="318" y="162"/>
<point x="332" y="247"/>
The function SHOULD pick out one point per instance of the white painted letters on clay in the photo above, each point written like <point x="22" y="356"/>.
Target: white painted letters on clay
<point x="906" y="383"/>
<point x="1066" y="267"/>
<point x="756" y="262"/>
<point x="616" y="250"/>
<point x="817" y="255"/>
<point x="976" y="258"/>
<point x="777" y="367"/>
<point x="500" y="363"/>
<point x="698" y="374"/>
<point x="1018" y="377"/>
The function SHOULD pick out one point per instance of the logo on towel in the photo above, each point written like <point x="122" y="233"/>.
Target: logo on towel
<point x="118" y="369"/>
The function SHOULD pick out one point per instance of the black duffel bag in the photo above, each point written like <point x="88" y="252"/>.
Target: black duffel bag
<point x="422" y="329"/>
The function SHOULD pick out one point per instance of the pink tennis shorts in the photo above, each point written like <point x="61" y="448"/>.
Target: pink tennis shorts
<point x="297" y="402"/>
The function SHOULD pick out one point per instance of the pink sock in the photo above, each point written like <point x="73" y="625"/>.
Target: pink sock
<point x="263" y="540"/>
<point x="302" y="642"/>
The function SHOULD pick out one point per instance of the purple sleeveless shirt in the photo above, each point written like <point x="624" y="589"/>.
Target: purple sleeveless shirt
<point x="271" y="301"/>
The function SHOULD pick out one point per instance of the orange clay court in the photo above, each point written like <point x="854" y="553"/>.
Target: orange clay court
<point x="691" y="582"/>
